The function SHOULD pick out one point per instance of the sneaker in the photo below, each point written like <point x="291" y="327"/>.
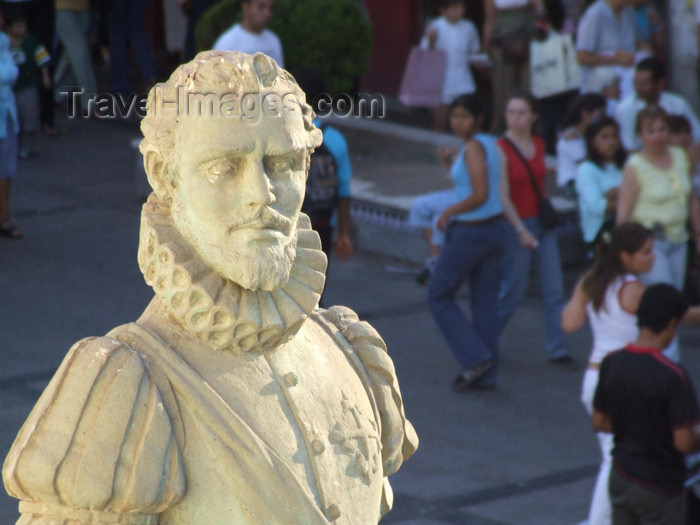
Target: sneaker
<point x="471" y="375"/>
<point x="566" y="362"/>
<point x="423" y="276"/>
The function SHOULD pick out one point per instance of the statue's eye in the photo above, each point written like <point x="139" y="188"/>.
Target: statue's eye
<point x="279" y="165"/>
<point x="223" y="168"/>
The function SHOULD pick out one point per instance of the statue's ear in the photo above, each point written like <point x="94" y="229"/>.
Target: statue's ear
<point x="266" y="69"/>
<point x="155" y="170"/>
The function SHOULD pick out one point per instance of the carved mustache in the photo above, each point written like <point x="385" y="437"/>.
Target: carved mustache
<point x="264" y="219"/>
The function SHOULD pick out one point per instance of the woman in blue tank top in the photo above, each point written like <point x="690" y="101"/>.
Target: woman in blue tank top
<point x="472" y="251"/>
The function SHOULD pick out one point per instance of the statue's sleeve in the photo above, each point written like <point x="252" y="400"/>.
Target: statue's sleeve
<point x="399" y="439"/>
<point x="98" y="447"/>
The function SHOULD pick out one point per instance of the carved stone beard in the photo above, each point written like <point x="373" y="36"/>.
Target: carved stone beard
<point x="240" y="257"/>
<point x="221" y="313"/>
<point x="266" y="267"/>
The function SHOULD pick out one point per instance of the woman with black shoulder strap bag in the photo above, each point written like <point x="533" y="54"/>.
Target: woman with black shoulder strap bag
<point x="532" y="218"/>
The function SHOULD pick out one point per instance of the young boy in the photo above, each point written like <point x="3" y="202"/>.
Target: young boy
<point x="459" y="39"/>
<point x="649" y="404"/>
<point x="32" y="60"/>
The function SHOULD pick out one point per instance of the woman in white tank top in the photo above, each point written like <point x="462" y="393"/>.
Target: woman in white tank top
<point x="608" y="295"/>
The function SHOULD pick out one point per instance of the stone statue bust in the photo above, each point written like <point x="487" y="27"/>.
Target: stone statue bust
<point x="233" y="399"/>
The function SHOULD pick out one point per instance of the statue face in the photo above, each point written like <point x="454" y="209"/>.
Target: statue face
<point x="239" y="189"/>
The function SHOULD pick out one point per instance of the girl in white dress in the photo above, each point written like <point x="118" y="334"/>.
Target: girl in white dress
<point x="459" y="39"/>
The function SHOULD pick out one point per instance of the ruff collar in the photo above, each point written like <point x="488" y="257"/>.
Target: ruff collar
<point x="222" y="314"/>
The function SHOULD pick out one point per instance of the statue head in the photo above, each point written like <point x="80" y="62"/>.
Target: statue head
<point x="226" y="146"/>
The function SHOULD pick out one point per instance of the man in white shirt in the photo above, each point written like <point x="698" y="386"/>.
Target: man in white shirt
<point x="251" y="35"/>
<point x="649" y="81"/>
<point x="605" y="37"/>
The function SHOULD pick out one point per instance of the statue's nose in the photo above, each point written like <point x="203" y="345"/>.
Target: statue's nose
<point x="257" y="189"/>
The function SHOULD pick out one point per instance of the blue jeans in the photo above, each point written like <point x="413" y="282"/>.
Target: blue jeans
<point x="126" y="26"/>
<point x="516" y="272"/>
<point x="669" y="268"/>
<point x="472" y="254"/>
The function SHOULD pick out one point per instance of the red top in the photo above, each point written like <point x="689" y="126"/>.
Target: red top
<point x="521" y="191"/>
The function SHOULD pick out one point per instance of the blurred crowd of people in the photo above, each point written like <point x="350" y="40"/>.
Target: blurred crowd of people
<point x="47" y="53"/>
<point x="82" y="33"/>
<point x="611" y="36"/>
<point x="627" y="157"/>
<point x="618" y="157"/>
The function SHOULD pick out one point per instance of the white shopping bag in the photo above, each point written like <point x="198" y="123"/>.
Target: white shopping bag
<point x="553" y="65"/>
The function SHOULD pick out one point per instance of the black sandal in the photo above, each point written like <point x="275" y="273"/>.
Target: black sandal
<point x="10" y="231"/>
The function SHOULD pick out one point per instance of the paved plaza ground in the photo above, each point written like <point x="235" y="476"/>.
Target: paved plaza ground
<point x="523" y="454"/>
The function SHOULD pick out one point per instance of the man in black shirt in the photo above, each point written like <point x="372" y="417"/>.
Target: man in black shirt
<point x="649" y="404"/>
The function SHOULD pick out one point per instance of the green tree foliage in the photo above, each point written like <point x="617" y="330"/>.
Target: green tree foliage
<point x="331" y="36"/>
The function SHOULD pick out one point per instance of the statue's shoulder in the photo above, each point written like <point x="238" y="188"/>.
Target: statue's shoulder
<point x="99" y="438"/>
<point x="399" y="439"/>
<point x="352" y="329"/>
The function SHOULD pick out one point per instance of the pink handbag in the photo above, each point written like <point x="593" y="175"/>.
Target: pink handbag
<point x="423" y="78"/>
